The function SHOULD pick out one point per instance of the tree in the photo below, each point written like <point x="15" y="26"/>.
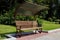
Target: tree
<point x="53" y="7"/>
<point x="58" y="9"/>
<point x="6" y="5"/>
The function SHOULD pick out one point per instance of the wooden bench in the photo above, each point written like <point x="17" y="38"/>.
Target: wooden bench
<point x="27" y="25"/>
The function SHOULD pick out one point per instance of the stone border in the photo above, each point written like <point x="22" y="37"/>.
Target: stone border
<point x="10" y="38"/>
<point x="50" y="31"/>
<point x="53" y="30"/>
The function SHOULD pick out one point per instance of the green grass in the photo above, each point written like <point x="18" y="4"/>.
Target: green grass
<point x="50" y="25"/>
<point x="4" y="29"/>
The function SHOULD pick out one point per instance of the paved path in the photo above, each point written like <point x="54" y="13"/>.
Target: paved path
<point x="51" y="36"/>
<point x="30" y="37"/>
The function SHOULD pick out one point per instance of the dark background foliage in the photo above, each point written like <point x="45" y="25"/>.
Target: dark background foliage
<point x="7" y="11"/>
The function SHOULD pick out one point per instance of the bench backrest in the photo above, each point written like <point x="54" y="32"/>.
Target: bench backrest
<point x="26" y="24"/>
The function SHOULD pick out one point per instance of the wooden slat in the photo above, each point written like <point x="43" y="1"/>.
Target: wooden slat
<point x="31" y="28"/>
<point x="27" y="25"/>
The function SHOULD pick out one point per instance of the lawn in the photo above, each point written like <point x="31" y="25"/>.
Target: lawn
<point x="4" y="29"/>
<point x="50" y="25"/>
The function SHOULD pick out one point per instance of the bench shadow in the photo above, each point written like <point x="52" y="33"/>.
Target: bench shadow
<point x="27" y="33"/>
<point x="13" y="34"/>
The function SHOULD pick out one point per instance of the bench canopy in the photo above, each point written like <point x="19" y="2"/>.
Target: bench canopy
<point x="29" y="9"/>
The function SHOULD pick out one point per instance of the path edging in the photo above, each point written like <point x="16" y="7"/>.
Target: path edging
<point x="50" y="31"/>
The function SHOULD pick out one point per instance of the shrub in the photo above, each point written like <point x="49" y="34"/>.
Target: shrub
<point x="6" y="19"/>
<point x="57" y="21"/>
<point x="54" y="18"/>
<point x="24" y="18"/>
<point x="50" y="19"/>
<point x="39" y="22"/>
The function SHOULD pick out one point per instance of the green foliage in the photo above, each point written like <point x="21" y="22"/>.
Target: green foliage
<point x="54" y="18"/>
<point x="43" y="14"/>
<point x="20" y="17"/>
<point x="24" y="18"/>
<point x="31" y="18"/>
<point x="7" y="18"/>
<point x="50" y="19"/>
<point x="39" y="20"/>
<point x="57" y="21"/>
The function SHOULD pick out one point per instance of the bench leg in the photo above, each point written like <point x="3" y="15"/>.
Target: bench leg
<point x="40" y="30"/>
<point x="36" y="31"/>
<point x="18" y="33"/>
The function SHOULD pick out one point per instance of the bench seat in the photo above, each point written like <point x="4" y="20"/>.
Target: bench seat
<point x="31" y="28"/>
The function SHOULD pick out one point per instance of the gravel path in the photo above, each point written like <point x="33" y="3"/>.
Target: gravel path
<point x="51" y="36"/>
